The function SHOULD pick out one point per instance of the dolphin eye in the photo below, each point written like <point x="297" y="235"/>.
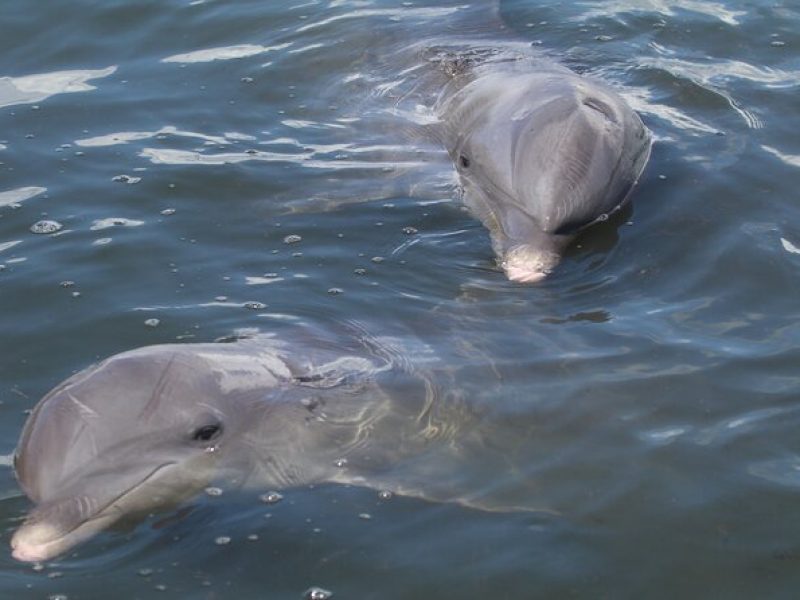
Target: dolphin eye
<point x="463" y="161"/>
<point x="206" y="433"/>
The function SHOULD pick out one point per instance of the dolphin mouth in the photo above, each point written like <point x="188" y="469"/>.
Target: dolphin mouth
<point x="40" y="538"/>
<point x="527" y="264"/>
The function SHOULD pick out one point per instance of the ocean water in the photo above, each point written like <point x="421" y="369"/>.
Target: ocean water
<point x="648" y="393"/>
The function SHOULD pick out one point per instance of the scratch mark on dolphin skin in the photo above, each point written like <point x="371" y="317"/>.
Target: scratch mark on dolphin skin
<point x="158" y="390"/>
<point x="82" y="408"/>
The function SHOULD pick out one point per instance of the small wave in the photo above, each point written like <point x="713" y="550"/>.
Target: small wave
<point x="306" y="159"/>
<point x="713" y="76"/>
<point x="19" y="195"/>
<point x="783" y="471"/>
<point x="789" y="246"/>
<point x="740" y="425"/>
<point x="8" y="245"/>
<point x="124" y="137"/>
<point x="110" y="222"/>
<point x="423" y="13"/>
<point x="223" y="53"/>
<point x="667" y="8"/>
<point x="793" y="160"/>
<point x="642" y="100"/>
<point x="35" y="88"/>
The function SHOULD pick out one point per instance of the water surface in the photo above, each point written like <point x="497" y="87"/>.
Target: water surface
<point x="647" y="392"/>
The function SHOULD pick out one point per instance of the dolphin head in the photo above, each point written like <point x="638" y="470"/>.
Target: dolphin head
<point x="139" y="431"/>
<point x="541" y="156"/>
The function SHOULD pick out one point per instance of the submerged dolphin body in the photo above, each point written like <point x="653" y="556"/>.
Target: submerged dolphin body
<point x="149" y="428"/>
<point x="541" y="154"/>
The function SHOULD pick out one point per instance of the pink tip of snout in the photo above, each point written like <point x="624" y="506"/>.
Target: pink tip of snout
<point x="523" y="275"/>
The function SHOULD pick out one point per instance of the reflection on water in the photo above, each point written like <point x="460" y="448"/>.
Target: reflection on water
<point x="667" y="8"/>
<point x="647" y="391"/>
<point x="12" y="197"/>
<point x="36" y="88"/>
<point x="223" y="53"/>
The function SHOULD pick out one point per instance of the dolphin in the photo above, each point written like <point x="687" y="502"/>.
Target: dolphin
<point x="147" y="429"/>
<point x="541" y="154"/>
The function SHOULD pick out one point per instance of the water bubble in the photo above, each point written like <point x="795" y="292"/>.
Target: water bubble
<point x="46" y="226"/>
<point x="385" y="495"/>
<point x="340" y="462"/>
<point x="100" y="224"/>
<point x="152" y="322"/>
<point x="309" y="403"/>
<point x="129" y="179"/>
<point x="271" y="498"/>
<point x="160" y="587"/>
<point x="145" y="572"/>
<point x="604" y="38"/>
<point x="213" y="491"/>
<point x="168" y="211"/>
<point x="55" y="574"/>
<point x="57" y="597"/>
<point x="67" y="284"/>
<point x="334" y="291"/>
<point x="377" y="259"/>
<point x="317" y="593"/>
<point x="247" y="80"/>
<point x="255" y="305"/>
<point x="360" y="271"/>
<point x="76" y="294"/>
<point x="222" y="540"/>
<point x="365" y="516"/>
<point x="292" y="239"/>
<point x="253" y="537"/>
<point x="777" y="44"/>
<point x="220" y="298"/>
<point x="410" y="230"/>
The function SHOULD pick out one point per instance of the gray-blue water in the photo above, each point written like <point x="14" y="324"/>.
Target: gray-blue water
<point x="649" y="389"/>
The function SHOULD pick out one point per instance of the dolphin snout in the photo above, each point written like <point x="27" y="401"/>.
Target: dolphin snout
<point x="35" y="542"/>
<point x="52" y="528"/>
<point x="527" y="264"/>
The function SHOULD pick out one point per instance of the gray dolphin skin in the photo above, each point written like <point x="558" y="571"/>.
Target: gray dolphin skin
<point x="147" y="429"/>
<point x="541" y="155"/>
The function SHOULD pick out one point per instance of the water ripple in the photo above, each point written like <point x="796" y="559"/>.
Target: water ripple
<point x="783" y="471"/>
<point x="667" y="8"/>
<point x="392" y="13"/>
<point x="7" y="245"/>
<point x="223" y="53"/>
<point x="35" y="88"/>
<point x="19" y="195"/>
<point x="793" y="160"/>
<point x="124" y="137"/>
